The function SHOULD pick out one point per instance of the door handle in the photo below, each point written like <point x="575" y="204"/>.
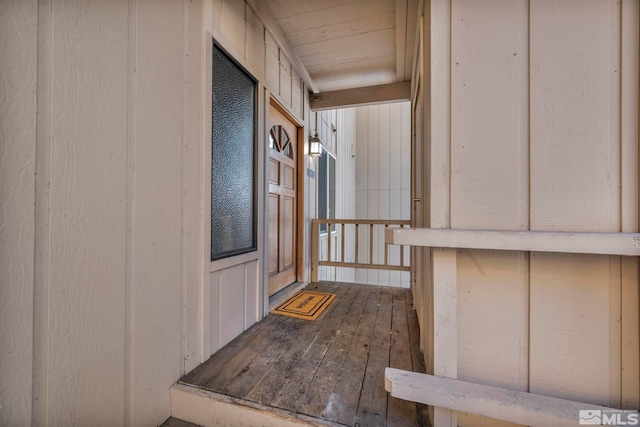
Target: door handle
<point x="416" y="199"/>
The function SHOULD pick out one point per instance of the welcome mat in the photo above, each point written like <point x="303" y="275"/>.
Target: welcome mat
<point x="305" y="305"/>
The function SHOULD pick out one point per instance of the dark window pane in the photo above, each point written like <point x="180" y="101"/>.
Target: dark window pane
<point x="326" y="177"/>
<point x="232" y="160"/>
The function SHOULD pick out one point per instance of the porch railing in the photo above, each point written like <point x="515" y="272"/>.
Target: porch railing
<point x="366" y="237"/>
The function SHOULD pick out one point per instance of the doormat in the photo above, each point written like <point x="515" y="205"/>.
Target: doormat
<point x="305" y="305"/>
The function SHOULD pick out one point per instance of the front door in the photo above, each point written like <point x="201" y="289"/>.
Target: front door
<point x="283" y="144"/>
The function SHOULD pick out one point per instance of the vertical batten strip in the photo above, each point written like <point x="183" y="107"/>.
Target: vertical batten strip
<point x="386" y="248"/>
<point x="524" y="191"/>
<point x="630" y="201"/>
<point x="40" y="398"/>
<point x="615" y="201"/>
<point x="615" y="309"/>
<point x="444" y="260"/>
<point x="342" y="238"/>
<point x="329" y="242"/>
<point x="315" y="232"/>
<point x="615" y="118"/>
<point x="129" y="362"/>
<point x="370" y="243"/>
<point x="357" y="242"/>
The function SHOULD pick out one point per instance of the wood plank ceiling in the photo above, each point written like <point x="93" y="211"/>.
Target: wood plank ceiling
<point x="347" y="44"/>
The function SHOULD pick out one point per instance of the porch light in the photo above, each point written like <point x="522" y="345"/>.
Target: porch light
<point x="315" y="146"/>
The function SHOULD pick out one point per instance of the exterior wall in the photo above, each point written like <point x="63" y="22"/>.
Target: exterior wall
<point x="234" y="297"/>
<point x="342" y="143"/>
<point x="382" y="179"/>
<point x="18" y="75"/>
<point x="105" y="145"/>
<point x="106" y="292"/>
<point x="532" y="124"/>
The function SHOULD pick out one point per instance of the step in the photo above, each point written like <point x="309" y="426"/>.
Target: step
<point x="208" y="409"/>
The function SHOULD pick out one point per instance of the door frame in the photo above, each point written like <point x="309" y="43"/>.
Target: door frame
<point x="300" y="194"/>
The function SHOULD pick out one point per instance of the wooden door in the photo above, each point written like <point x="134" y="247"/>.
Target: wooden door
<point x="283" y="188"/>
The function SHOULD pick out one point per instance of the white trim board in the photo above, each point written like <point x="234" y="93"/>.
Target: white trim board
<point x="534" y="241"/>
<point x="494" y="402"/>
<point x="210" y="409"/>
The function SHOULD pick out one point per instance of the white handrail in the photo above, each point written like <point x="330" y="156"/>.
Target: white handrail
<point x="495" y="402"/>
<point x="535" y="241"/>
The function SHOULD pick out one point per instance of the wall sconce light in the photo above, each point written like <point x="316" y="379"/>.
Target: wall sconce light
<point x="315" y="146"/>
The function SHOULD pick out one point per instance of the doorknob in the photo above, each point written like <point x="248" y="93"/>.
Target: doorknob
<point x="416" y="199"/>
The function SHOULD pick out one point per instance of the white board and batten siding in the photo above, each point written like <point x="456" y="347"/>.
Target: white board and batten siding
<point x="105" y="282"/>
<point x="342" y="144"/>
<point x="92" y="275"/>
<point x="539" y="132"/>
<point x="19" y="57"/>
<point x="235" y="297"/>
<point x="383" y="181"/>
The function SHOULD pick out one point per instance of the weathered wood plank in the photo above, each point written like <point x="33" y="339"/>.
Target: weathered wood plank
<point x="253" y="372"/>
<point x="276" y="372"/>
<point x="343" y="404"/>
<point x="331" y="369"/>
<point x="372" y="409"/>
<point x="314" y="401"/>
<point x="199" y="375"/>
<point x="400" y="412"/>
<point x="296" y="386"/>
<point x="218" y="379"/>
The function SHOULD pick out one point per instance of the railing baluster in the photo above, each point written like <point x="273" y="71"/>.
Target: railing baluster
<point x="342" y="242"/>
<point x="386" y="248"/>
<point x="371" y="244"/>
<point x="315" y="241"/>
<point x="328" y="242"/>
<point x="357" y="241"/>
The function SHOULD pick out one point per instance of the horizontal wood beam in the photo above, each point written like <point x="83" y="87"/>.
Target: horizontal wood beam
<point x="535" y="241"/>
<point x="365" y="266"/>
<point x="494" y="402"/>
<point x="362" y="221"/>
<point x="392" y="92"/>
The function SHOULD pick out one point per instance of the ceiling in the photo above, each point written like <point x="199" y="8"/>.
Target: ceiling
<point x="347" y="44"/>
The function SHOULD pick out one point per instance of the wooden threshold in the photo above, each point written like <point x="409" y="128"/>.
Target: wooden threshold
<point x="324" y="372"/>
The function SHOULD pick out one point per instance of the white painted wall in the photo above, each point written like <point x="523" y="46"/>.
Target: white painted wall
<point x="18" y="76"/>
<point x="383" y="180"/>
<point x="342" y="143"/>
<point x="106" y="293"/>
<point x="98" y="232"/>
<point x="234" y="297"/>
<point x="532" y="115"/>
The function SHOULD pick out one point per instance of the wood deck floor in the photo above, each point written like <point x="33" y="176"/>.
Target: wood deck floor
<point x="332" y="368"/>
